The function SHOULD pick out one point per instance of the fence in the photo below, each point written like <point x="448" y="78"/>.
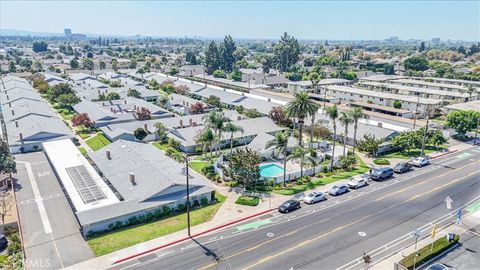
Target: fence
<point x="306" y="172"/>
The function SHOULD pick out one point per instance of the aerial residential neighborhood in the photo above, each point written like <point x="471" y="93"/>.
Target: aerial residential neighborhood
<point x="240" y="135"/>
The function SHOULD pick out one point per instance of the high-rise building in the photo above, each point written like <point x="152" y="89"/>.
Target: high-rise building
<point x="67" y="32"/>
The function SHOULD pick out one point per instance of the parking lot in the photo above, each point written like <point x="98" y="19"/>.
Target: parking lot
<point x="50" y="231"/>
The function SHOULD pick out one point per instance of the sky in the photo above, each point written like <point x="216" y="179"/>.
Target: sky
<point x="334" y="20"/>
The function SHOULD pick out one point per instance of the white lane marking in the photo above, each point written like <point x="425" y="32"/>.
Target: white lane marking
<point x="38" y="198"/>
<point x="163" y="254"/>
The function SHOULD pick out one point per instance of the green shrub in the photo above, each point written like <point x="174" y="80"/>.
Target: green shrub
<point x="248" y="200"/>
<point x="426" y="253"/>
<point x="381" y="161"/>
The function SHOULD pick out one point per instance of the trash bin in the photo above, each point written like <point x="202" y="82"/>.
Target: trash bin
<point x="450" y="237"/>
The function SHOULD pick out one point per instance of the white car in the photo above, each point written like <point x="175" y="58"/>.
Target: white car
<point x="420" y="162"/>
<point x="358" y="181"/>
<point x="314" y="197"/>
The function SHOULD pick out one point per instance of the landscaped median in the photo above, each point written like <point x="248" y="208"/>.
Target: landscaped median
<point x="130" y="236"/>
<point x="427" y="253"/>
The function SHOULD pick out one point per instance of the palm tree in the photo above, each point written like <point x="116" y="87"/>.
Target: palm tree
<point x="346" y="119"/>
<point x="313" y="162"/>
<point x="332" y="113"/>
<point x="205" y="138"/>
<point x="300" y="108"/>
<point x="281" y="146"/>
<point x="232" y="128"/>
<point x="356" y="114"/>
<point x="299" y="153"/>
<point x="216" y="121"/>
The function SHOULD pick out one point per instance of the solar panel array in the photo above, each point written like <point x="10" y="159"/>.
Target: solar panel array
<point x="87" y="188"/>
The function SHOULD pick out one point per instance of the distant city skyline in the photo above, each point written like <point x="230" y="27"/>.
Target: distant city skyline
<point x="340" y="20"/>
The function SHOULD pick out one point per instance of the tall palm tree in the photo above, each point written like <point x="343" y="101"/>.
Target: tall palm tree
<point x="281" y="146"/>
<point x="301" y="107"/>
<point x="205" y="138"/>
<point x="299" y="153"/>
<point x="356" y="114"/>
<point x="346" y="119"/>
<point x="232" y="128"/>
<point x="333" y="114"/>
<point x="216" y="121"/>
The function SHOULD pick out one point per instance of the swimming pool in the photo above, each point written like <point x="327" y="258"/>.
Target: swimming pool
<point x="270" y="170"/>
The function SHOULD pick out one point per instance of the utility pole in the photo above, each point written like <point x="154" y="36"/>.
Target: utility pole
<point x="188" y="196"/>
<point x="425" y="135"/>
<point x="416" y="112"/>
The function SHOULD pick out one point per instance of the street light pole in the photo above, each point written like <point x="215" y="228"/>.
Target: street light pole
<point x="188" y="196"/>
<point x="476" y="131"/>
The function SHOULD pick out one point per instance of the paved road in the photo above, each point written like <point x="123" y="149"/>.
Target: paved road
<point x="50" y="231"/>
<point x="330" y="234"/>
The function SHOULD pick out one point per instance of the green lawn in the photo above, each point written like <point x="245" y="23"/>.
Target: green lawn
<point x="412" y="153"/>
<point x="248" y="200"/>
<point x="97" y="142"/>
<point x="197" y="165"/>
<point x="83" y="151"/>
<point x="326" y="179"/>
<point x="161" y="146"/>
<point x="133" y="235"/>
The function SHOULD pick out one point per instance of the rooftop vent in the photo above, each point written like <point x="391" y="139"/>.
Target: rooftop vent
<point x="108" y="154"/>
<point x="132" y="179"/>
<point x="379" y="124"/>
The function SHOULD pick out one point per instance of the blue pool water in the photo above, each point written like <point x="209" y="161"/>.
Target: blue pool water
<point x="270" y="170"/>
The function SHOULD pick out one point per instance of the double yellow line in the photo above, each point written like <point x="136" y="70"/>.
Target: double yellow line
<point x="270" y="257"/>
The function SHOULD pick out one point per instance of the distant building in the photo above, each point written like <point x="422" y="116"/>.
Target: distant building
<point x="67" y="32"/>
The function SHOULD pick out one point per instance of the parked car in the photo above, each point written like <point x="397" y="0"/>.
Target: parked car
<point x="338" y="189"/>
<point x="314" y="197"/>
<point x="288" y="206"/>
<point x="402" y="167"/>
<point x="382" y="173"/>
<point x="420" y="161"/>
<point x="358" y="181"/>
<point x="437" y="266"/>
<point x="3" y="242"/>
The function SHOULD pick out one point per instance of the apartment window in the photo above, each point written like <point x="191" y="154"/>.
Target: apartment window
<point x="381" y="99"/>
<point x="361" y="96"/>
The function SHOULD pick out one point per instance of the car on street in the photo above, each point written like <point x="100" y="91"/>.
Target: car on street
<point x="402" y="167"/>
<point x="288" y="206"/>
<point x="437" y="266"/>
<point x="420" y="161"/>
<point x="338" y="189"/>
<point x="358" y="181"/>
<point x="3" y="242"/>
<point x="382" y="173"/>
<point x="314" y="197"/>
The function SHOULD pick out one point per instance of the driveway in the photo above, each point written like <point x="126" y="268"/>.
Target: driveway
<point x="50" y="231"/>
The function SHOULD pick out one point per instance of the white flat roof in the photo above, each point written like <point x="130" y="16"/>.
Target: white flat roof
<point x="65" y="156"/>
<point x="369" y="93"/>
<point x="417" y="89"/>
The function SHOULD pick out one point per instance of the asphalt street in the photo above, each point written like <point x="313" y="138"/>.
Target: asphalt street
<point x="330" y="234"/>
<point x="50" y="231"/>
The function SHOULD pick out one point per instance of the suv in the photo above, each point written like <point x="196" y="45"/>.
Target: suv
<point x="420" y="161"/>
<point x="402" y="167"/>
<point x="382" y="173"/>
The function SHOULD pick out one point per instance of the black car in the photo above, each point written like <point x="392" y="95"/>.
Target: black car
<point x="3" y="242"/>
<point x="382" y="173"/>
<point x="288" y="206"/>
<point x="402" y="167"/>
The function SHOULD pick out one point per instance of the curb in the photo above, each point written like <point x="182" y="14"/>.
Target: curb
<point x="193" y="235"/>
<point x="444" y="154"/>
